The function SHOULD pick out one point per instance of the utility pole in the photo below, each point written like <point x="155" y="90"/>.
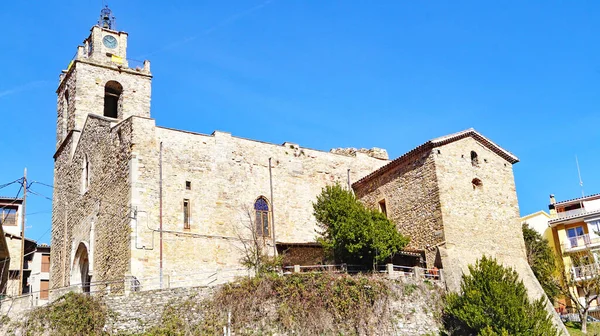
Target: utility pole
<point x="160" y="214"/>
<point x="272" y="210"/>
<point x="22" y="259"/>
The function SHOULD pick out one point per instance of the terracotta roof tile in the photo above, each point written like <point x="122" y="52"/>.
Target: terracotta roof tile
<point x="440" y="141"/>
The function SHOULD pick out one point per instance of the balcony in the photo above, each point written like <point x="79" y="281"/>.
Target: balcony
<point x="573" y="214"/>
<point x="570" y="213"/>
<point x="585" y="272"/>
<point x="580" y="243"/>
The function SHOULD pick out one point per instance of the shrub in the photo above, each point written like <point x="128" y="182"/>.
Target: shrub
<point x="73" y="314"/>
<point x="493" y="301"/>
<point x="541" y="260"/>
<point x="353" y="233"/>
<point x="299" y="304"/>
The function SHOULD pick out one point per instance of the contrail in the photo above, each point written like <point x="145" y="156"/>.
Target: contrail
<point x="22" y="88"/>
<point x="227" y="21"/>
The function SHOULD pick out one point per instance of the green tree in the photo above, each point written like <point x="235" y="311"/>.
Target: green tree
<point x="353" y="233"/>
<point x="581" y="284"/>
<point x="493" y="301"/>
<point x="542" y="262"/>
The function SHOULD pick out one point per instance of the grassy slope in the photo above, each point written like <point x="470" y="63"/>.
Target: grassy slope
<point x="593" y="329"/>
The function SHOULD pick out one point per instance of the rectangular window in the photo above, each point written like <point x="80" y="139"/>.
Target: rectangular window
<point x="8" y="217"/>
<point x="188" y="185"/>
<point x="382" y="207"/>
<point x="186" y="214"/>
<point x="575" y="232"/>
<point x="13" y="275"/>
<point x="262" y="223"/>
<point x="45" y="263"/>
<point x="44" y="284"/>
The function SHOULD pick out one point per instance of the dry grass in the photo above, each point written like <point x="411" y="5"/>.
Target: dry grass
<point x="303" y="304"/>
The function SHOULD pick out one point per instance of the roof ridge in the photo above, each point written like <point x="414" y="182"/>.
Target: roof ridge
<point x="439" y="141"/>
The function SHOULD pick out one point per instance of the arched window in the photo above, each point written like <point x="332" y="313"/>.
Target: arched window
<point x="85" y="175"/>
<point x="261" y="208"/>
<point x="477" y="184"/>
<point x="474" y="159"/>
<point x="112" y="95"/>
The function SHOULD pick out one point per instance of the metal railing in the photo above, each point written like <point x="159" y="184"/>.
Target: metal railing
<point x="123" y="286"/>
<point x="334" y="268"/>
<point x="132" y="284"/>
<point x="571" y="213"/>
<point x="393" y="271"/>
<point x="585" y="271"/>
<point x="581" y="241"/>
<point x="135" y="64"/>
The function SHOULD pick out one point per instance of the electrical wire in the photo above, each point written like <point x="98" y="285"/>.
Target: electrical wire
<point x="129" y="208"/>
<point x="9" y="183"/>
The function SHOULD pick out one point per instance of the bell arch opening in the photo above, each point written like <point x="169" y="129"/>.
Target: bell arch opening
<point x="112" y="99"/>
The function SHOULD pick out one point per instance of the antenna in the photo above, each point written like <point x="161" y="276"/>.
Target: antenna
<point x="579" y="173"/>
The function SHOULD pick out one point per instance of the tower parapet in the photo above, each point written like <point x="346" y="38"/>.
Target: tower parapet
<point x="101" y="80"/>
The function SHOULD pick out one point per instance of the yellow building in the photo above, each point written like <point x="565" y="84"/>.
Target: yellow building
<point x="575" y="231"/>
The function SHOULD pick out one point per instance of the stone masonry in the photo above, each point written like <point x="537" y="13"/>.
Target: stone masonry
<point x="119" y="178"/>
<point x="107" y="209"/>
<point x="455" y="197"/>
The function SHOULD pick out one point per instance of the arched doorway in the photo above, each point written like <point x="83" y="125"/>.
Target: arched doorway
<point x="80" y="271"/>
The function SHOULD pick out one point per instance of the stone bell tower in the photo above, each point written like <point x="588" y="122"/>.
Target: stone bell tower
<point x="101" y="80"/>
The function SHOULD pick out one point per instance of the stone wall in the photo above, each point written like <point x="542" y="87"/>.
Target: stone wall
<point x="85" y="84"/>
<point x="439" y="198"/>
<point x="416" y="308"/>
<point x="139" y="311"/>
<point x="410" y="193"/>
<point x="99" y="216"/>
<point x="480" y="220"/>
<point x="89" y="92"/>
<point x="227" y="174"/>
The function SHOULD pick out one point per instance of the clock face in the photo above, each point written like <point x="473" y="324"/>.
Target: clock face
<point x="109" y="41"/>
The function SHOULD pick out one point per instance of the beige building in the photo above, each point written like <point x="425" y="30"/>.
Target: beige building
<point x="39" y="279"/>
<point x="20" y="253"/>
<point x="133" y="199"/>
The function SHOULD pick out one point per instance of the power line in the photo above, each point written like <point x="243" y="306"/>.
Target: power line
<point x="128" y="207"/>
<point x="14" y="201"/>
<point x="39" y="212"/>
<point x="9" y="183"/>
<point x="38" y="194"/>
<point x="43" y="234"/>
<point x="111" y="214"/>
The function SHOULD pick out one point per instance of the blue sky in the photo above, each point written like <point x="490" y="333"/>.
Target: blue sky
<point x="325" y="74"/>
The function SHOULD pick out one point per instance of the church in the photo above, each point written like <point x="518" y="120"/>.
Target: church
<point x="134" y="199"/>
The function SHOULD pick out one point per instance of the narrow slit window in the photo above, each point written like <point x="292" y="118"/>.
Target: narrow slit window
<point x="186" y="214"/>
<point x="474" y="159"/>
<point x="188" y="185"/>
<point x="382" y="207"/>
<point x="66" y="112"/>
<point x="85" y="175"/>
